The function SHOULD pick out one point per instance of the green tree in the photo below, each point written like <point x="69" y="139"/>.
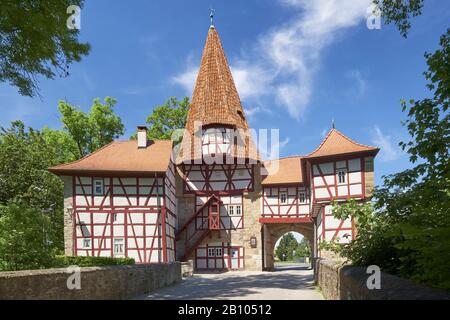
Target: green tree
<point x="167" y="118"/>
<point x="92" y="130"/>
<point x="408" y="233"/>
<point x="400" y="12"/>
<point x="25" y="155"/>
<point x="35" y="41"/>
<point x="303" y="249"/>
<point x="25" y="238"/>
<point x="286" y="248"/>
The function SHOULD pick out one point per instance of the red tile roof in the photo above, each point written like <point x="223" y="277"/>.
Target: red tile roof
<point x="336" y="143"/>
<point x="122" y="157"/>
<point x="283" y="171"/>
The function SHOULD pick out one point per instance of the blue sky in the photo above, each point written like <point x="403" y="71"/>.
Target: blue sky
<point x="297" y="64"/>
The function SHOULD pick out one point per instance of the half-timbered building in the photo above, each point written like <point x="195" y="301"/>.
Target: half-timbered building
<point x="213" y="200"/>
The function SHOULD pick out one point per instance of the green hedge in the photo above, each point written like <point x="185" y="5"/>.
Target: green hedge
<point x="65" y="261"/>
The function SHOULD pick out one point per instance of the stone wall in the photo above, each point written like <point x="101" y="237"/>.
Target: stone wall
<point x="111" y="282"/>
<point x="344" y="282"/>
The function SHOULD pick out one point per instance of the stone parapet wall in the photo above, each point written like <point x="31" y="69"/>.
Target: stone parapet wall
<point x="111" y="282"/>
<point x="344" y="282"/>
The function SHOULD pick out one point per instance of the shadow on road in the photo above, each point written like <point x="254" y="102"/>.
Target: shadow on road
<point x="235" y="285"/>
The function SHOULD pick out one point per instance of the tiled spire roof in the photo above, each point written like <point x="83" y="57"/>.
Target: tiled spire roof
<point x="215" y="101"/>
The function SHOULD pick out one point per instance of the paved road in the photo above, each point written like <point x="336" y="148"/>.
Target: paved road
<point x="289" y="282"/>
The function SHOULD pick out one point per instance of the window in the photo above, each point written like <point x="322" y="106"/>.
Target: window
<point x="98" y="187"/>
<point x="211" y="252"/>
<point x="114" y="217"/>
<point x="231" y="210"/>
<point x="301" y="197"/>
<point x="238" y="210"/>
<point x="118" y="246"/>
<point x="86" y="243"/>
<point x="342" y="176"/>
<point x="283" y="197"/>
<point x="218" y="252"/>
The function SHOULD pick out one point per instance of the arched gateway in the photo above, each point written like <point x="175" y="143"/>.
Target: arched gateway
<point x="215" y="202"/>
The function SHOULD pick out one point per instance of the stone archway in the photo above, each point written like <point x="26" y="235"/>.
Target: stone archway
<point x="272" y="232"/>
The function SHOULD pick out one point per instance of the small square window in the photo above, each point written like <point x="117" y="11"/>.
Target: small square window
<point x="231" y="210"/>
<point x="87" y="243"/>
<point x="238" y="210"/>
<point x="283" y="197"/>
<point x="119" y="246"/>
<point x="211" y="252"/>
<point x="98" y="187"/>
<point x="218" y="252"/>
<point x="301" y="197"/>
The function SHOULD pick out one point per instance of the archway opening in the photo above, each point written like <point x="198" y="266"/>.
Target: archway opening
<point x="292" y="250"/>
<point x="299" y="235"/>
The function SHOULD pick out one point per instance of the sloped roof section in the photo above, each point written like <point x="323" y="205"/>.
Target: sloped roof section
<point x="122" y="157"/>
<point x="215" y="101"/>
<point x="336" y="143"/>
<point x="283" y="171"/>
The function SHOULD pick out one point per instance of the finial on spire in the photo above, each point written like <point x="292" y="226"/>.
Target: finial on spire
<point x="211" y="16"/>
<point x="333" y="124"/>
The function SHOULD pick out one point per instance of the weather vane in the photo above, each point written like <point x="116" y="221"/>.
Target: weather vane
<point x="211" y="16"/>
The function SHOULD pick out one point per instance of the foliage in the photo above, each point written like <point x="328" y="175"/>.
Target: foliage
<point x="167" y="118"/>
<point x="25" y="242"/>
<point x="303" y="249"/>
<point x="65" y="261"/>
<point x="91" y="131"/>
<point x="409" y="232"/>
<point x="25" y="155"/>
<point x="35" y="41"/>
<point x="287" y="247"/>
<point x="25" y="183"/>
<point x="400" y="12"/>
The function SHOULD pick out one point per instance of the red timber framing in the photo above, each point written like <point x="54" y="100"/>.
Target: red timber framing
<point x="123" y="217"/>
<point x="220" y="179"/>
<point x="296" y="202"/>
<point x="345" y="227"/>
<point x="219" y="257"/>
<point x="217" y="140"/>
<point x="231" y="213"/>
<point x="334" y="188"/>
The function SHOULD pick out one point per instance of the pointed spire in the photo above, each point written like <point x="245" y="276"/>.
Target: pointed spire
<point x="333" y="124"/>
<point x="215" y="100"/>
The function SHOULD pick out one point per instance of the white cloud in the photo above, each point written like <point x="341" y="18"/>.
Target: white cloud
<point x="187" y="79"/>
<point x="281" y="65"/>
<point x="388" y="152"/>
<point x="359" y="83"/>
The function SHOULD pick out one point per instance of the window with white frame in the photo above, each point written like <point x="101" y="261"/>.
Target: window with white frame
<point x="114" y="217"/>
<point x="219" y="252"/>
<point x="119" y="246"/>
<point x="238" y="210"/>
<point x="302" y="197"/>
<point x="342" y="176"/>
<point x="283" y="197"/>
<point x="231" y="210"/>
<point x="98" y="187"/>
<point x="211" y="252"/>
<point x="86" y="243"/>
